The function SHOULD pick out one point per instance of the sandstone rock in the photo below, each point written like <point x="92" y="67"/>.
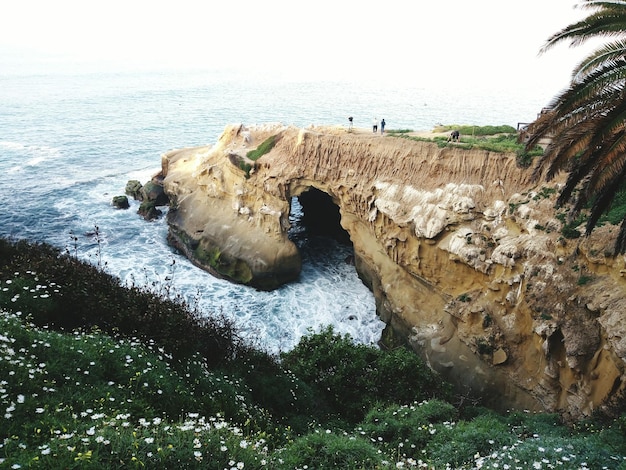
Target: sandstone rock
<point x="429" y="225"/>
<point x="499" y="357"/>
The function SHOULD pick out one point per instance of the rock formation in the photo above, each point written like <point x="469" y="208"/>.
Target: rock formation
<point x="462" y="250"/>
<point x="152" y="195"/>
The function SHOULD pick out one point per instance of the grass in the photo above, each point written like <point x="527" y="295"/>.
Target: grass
<point x="262" y="149"/>
<point x="83" y="384"/>
<point x="501" y="139"/>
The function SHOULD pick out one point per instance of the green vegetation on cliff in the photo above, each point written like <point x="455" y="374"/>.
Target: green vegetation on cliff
<point x="262" y="149"/>
<point x="502" y="139"/>
<point x="98" y="375"/>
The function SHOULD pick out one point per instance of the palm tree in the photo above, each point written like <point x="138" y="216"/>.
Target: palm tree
<point x="587" y="121"/>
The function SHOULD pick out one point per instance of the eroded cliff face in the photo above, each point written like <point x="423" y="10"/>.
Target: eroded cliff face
<point x="462" y="250"/>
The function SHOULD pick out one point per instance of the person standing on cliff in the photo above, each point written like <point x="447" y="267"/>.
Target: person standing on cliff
<point x="382" y="126"/>
<point x="350" y="121"/>
<point x="375" y="126"/>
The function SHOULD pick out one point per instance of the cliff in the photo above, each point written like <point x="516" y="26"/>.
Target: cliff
<point x="462" y="250"/>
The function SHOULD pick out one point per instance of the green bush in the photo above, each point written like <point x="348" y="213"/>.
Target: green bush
<point x="458" y="443"/>
<point x="328" y="450"/>
<point x="286" y="397"/>
<point x="350" y="378"/>
<point x="571" y="232"/>
<point x="409" y="427"/>
<point x="338" y="369"/>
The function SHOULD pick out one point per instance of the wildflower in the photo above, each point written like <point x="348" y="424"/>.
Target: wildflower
<point x="223" y="448"/>
<point x="149" y="440"/>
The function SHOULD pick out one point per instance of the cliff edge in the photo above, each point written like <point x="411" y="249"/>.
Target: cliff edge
<point x="462" y="250"/>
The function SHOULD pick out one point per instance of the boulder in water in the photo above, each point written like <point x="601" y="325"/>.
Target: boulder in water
<point x="133" y="189"/>
<point x="148" y="210"/>
<point x="120" y="202"/>
<point x="152" y="191"/>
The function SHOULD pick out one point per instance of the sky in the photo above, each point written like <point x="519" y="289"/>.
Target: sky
<point x="453" y="43"/>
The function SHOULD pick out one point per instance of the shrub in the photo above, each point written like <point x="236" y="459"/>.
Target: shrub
<point x="408" y="426"/>
<point x="456" y="444"/>
<point x="570" y="232"/>
<point x="350" y="378"/>
<point x="289" y="399"/>
<point x="325" y="449"/>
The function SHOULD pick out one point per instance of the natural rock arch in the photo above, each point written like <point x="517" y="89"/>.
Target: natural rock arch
<point x="461" y="248"/>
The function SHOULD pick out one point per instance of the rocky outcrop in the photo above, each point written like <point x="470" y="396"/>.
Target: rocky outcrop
<point x="120" y="202"/>
<point x="152" y="196"/>
<point x="462" y="250"/>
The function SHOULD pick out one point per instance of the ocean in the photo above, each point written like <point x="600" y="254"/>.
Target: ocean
<point x="69" y="142"/>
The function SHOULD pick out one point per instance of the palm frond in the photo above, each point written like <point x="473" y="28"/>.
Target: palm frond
<point x="620" y="243"/>
<point x="608" y="19"/>
<point x="603" y="199"/>
<point x="586" y="123"/>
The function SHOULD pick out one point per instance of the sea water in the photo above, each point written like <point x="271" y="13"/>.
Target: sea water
<point x="69" y="142"/>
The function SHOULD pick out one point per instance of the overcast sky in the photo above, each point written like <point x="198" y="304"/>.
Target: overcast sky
<point x="483" y="42"/>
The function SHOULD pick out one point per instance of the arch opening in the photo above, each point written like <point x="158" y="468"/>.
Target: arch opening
<point x="313" y="213"/>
